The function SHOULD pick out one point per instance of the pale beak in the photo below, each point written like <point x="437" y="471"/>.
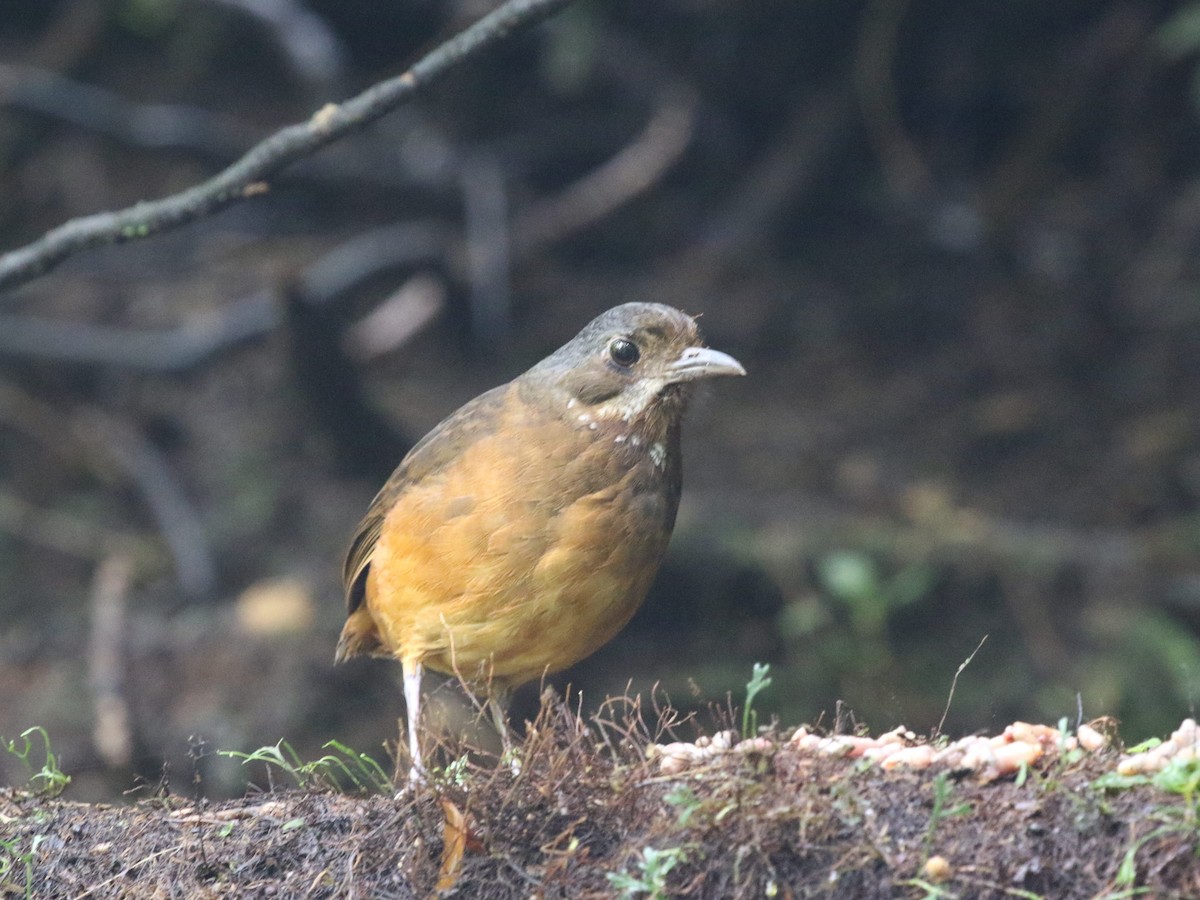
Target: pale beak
<point x="703" y="362"/>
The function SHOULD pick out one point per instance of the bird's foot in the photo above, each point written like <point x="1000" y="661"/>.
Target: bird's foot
<point x="416" y="779"/>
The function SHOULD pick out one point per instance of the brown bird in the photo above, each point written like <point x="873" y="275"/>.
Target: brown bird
<point x="523" y="532"/>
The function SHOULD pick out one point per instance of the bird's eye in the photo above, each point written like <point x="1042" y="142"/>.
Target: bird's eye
<point x="623" y="352"/>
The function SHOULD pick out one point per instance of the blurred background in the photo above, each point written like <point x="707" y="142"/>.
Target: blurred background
<point x="954" y="243"/>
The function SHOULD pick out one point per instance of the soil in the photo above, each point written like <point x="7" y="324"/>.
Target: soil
<point x="587" y="817"/>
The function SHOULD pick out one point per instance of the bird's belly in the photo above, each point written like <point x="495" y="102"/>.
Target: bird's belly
<point x="511" y="591"/>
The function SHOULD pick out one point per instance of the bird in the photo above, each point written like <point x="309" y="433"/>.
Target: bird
<point x="523" y="531"/>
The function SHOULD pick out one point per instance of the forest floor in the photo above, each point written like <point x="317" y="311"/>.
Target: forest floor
<point x="594" y="811"/>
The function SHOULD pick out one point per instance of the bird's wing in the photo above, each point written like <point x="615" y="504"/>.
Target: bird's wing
<point x="432" y="453"/>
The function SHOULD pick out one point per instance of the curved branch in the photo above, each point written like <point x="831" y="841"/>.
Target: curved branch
<point x="169" y="350"/>
<point x="636" y="167"/>
<point x="152" y="126"/>
<point x="244" y="178"/>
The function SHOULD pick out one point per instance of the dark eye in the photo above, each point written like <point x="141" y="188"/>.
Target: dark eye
<point x="624" y="353"/>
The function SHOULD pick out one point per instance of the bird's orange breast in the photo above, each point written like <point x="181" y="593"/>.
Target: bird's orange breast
<point x="526" y="554"/>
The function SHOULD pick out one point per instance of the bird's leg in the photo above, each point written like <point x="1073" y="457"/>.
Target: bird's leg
<point x="497" y="704"/>
<point x="412" y="701"/>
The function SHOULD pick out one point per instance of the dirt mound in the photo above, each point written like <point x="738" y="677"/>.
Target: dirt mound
<point x="588" y="812"/>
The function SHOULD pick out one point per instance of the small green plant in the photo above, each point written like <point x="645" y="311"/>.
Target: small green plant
<point x="456" y="772"/>
<point x="12" y="857"/>
<point x="684" y="800"/>
<point x="1126" y="876"/>
<point x="1115" y="781"/>
<point x="49" y="780"/>
<point x="942" y="808"/>
<point x="1179" y="776"/>
<point x="759" y="682"/>
<point x="1148" y="744"/>
<point x="342" y="770"/>
<point x="1065" y="758"/>
<point x="654" y="866"/>
<point x="359" y="769"/>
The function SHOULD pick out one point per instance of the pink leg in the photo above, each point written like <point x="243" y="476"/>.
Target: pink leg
<point x="412" y="700"/>
<point x="497" y="705"/>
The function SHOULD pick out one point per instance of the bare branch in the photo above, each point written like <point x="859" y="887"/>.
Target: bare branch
<point x="173" y="350"/>
<point x="153" y="126"/>
<point x="184" y="128"/>
<point x="245" y="177"/>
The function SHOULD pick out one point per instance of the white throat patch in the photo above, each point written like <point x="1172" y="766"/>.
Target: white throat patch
<point x="631" y="402"/>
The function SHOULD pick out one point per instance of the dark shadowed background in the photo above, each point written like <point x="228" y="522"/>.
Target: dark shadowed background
<point x="954" y="243"/>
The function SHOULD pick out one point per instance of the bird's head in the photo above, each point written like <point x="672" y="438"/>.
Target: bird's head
<point x="630" y="360"/>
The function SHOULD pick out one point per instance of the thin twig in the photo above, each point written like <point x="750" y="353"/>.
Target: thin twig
<point x="954" y="683"/>
<point x="187" y="346"/>
<point x="245" y="177"/>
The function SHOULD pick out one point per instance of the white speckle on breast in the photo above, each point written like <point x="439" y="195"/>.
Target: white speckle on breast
<point x="584" y="417"/>
<point x="635" y="441"/>
<point x="620" y="438"/>
<point x="571" y="403"/>
<point x="658" y="453"/>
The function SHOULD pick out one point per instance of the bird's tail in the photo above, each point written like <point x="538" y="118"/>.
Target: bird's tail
<point x="359" y="635"/>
